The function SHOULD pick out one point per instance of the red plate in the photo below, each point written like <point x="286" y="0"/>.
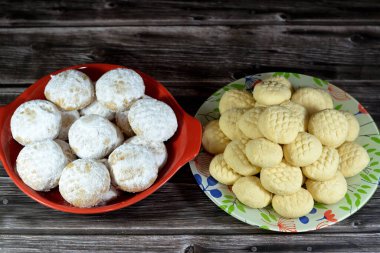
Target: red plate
<point x="182" y="147"/>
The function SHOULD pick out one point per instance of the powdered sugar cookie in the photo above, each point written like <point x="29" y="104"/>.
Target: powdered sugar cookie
<point x="325" y="167"/>
<point x="314" y="100"/>
<point x="330" y="191"/>
<point x="68" y="118"/>
<point x="353" y="159"/>
<point x="119" y="87"/>
<point x="98" y="109"/>
<point x="133" y="167"/>
<point x="250" y="192"/>
<point x="93" y="136"/>
<point x="66" y="150"/>
<point x="223" y="173"/>
<point x="121" y="120"/>
<point x="228" y="123"/>
<point x="272" y="91"/>
<point x="40" y="165"/>
<point x="84" y="182"/>
<point x="329" y="126"/>
<point x="282" y="179"/>
<point x="304" y="150"/>
<point x="214" y="140"/>
<point x="295" y="205"/>
<point x="299" y="112"/>
<point x="236" y="99"/>
<point x="157" y="148"/>
<point x="353" y="126"/>
<point x="70" y="90"/>
<point x="248" y="123"/>
<point x="152" y="119"/>
<point x="35" y="120"/>
<point x="263" y="153"/>
<point x="235" y="157"/>
<point x="277" y="124"/>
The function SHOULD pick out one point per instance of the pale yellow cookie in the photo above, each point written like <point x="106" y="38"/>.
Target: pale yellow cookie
<point x="260" y="105"/>
<point x="235" y="157"/>
<point x="329" y="126"/>
<point x="214" y="140"/>
<point x="248" y="123"/>
<point x="299" y="112"/>
<point x="295" y="205"/>
<point x="325" y="167"/>
<point x="282" y="179"/>
<point x="263" y="153"/>
<point x="228" y="124"/>
<point x="222" y="172"/>
<point x="304" y="150"/>
<point x="353" y="159"/>
<point x="353" y="126"/>
<point x="236" y="99"/>
<point x="250" y="192"/>
<point x="330" y="191"/>
<point x="272" y="91"/>
<point x="277" y="124"/>
<point x="314" y="100"/>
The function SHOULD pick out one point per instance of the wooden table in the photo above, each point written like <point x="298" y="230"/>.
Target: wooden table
<point x="192" y="47"/>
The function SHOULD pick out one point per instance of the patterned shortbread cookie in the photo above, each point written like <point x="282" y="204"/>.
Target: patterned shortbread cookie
<point x="235" y="157"/>
<point x="299" y="112"/>
<point x="35" y="120"/>
<point x="303" y="151"/>
<point x="250" y="192"/>
<point x="353" y="126"/>
<point x="353" y="159"/>
<point x="84" y="182"/>
<point x="248" y="123"/>
<point x="70" y="90"/>
<point x="117" y="88"/>
<point x="295" y="205"/>
<point x="66" y="150"/>
<point x="98" y="109"/>
<point x="325" y="167"/>
<point x="133" y="167"/>
<point x="277" y="124"/>
<point x="272" y="91"/>
<point x="282" y="179"/>
<point x="330" y="191"/>
<point x="214" y="140"/>
<point x="152" y="119"/>
<point x="121" y="120"/>
<point x="228" y="124"/>
<point x="236" y="99"/>
<point x="68" y="118"/>
<point x="329" y="126"/>
<point x="40" y="165"/>
<point x="314" y="100"/>
<point x="93" y="136"/>
<point x="263" y="153"/>
<point x="223" y="173"/>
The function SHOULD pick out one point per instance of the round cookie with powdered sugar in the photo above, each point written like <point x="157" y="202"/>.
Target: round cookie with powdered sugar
<point x="66" y="150"/>
<point x="68" y="118"/>
<point x="98" y="109"/>
<point x="121" y="120"/>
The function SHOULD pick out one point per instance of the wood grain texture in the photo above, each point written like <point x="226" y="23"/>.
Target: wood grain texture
<point x="134" y="12"/>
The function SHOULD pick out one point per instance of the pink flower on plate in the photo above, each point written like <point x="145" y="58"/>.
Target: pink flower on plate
<point x="286" y="225"/>
<point x="202" y="162"/>
<point x="362" y="109"/>
<point x="330" y="216"/>
<point x="337" y="93"/>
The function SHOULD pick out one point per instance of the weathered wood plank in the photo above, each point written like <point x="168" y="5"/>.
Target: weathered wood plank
<point x="196" y="53"/>
<point x="366" y="242"/>
<point x="188" y="211"/>
<point x="133" y="12"/>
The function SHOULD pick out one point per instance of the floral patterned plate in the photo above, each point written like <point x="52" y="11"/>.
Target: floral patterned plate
<point x="360" y="187"/>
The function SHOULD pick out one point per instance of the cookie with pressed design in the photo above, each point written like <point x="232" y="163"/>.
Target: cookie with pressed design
<point x="235" y="157"/>
<point x="236" y="99"/>
<point x="295" y="205"/>
<point x="248" y="123"/>
<point x="304" y="150"/>
<point x="228" y="123"/>
<point x="353" y="126"/>
<point x="223" y="173"/>
<point x="353" y="159"/>
<point x="299" y="112"/>
<point x="278" y="124"/>
<point x="250" y="192"/>
<point x="272" y="91"/>
<point x="214" y="140"/>
<point x="325" y="167"/>
<point x="314" y="100"/>
<point x="329" y="191"/>
<point x="329" y="126"/>
<point x="263" y="153"/>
